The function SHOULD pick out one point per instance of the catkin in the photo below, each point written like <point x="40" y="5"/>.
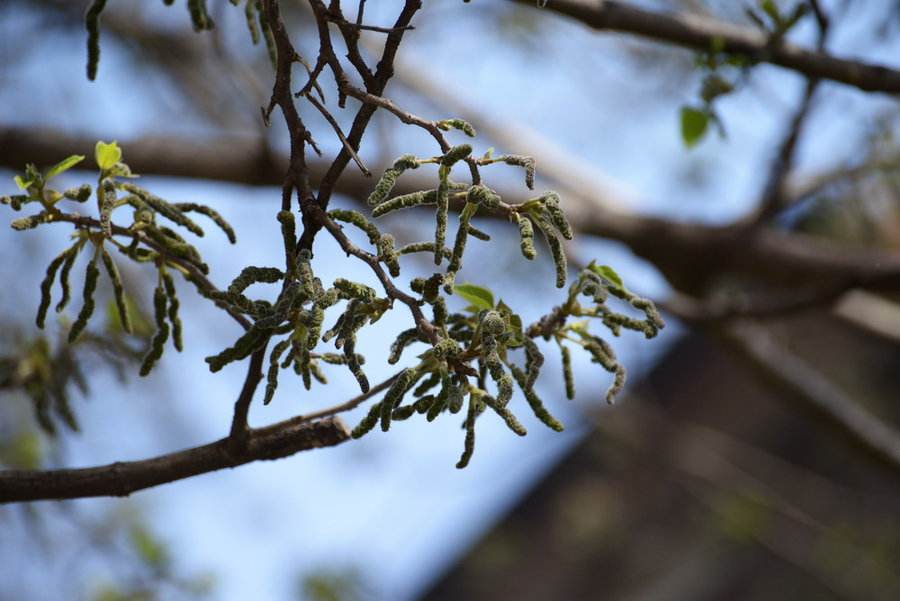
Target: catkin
<point x="162" y="330"/>
<point x="87" y="309"/>
<point x="272" y="374"/>
<point x="567" y="371"/>
<point x="526" y="236"/>
<point x="118" y="290"/>
<point x="173" y="311"/>
<point x="188" y="207"/>
<point x="47" y="284"/>
<point x="469" y="444"/>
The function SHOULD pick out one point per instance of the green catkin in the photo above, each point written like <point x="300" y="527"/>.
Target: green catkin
<point x="106" y="198"/>
<point x="557" y="217"/>
<point x="47" y="284"/>
<point x="389" y="178"/>
<point x="654" y="320"/>
<point x="317" y="373"/>
<point x="172" y="293"/>
<point x="404" y="339"/>
<point x="418" y="247"/>
<point x="469" y="445"/>
<point x="402" y="413"/>
<point x="272" y="375"/>
<point x="269" y="37"/>
<point x="92" y="24"/>
<point x="16" y="201"/>
<point x="162" y="330"/>
<point x="251" y="21"/>
<point x="477" y="233"/>
<point x="526" y="236"/>
<point x="190" y="207"/>
<point x="455" y="397"/>
<point x="443" y="206"/>
<point x="459" y="246"/>
<point x="87" y="309"/>
<point x="394" y="396"/>
<point x="423" y="404"/>
<point x="64" y="275"/>
<point x="517" y="160"/>
<point x="439" y="312"/>
<point x="353" y="290"/>
<point x="305" y="272"/>
<point x="505" y="414"/>
<point x="459" y="124"/>
<point x="354" y="365"/>
<point x="438" y="405"/>
<point x="427" y="384"/>
<point x="534" y="359"/>
<point x="118" y="289"/>
<point x="176" y="246"/>
<point x="455" y="154"/>
<point x="199" y="15"/>
<point x="556" y="251"/>
<point x="405" y="201"/>
<point x="368" y="422"/>
<point x="357" y="219"/>
<point x="534" y="401"/>
<point x="251" y="275"/>
<point x="28" y="223"/>
<point x="567" y="371"/>
<point x="289" y="238"/>
<point x="79" y="194"/>
<point x="484" y="196"/>
<point x="387" y="254"/>
<point x="164" y="208"/>
<point x="246" y="345"/>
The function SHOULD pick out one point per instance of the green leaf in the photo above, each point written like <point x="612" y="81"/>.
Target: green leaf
<point x="22" y="183"/>
<point x="769" y="7"/>
<point x="150" y="550"/>
<point x="482" y="298"/>
<point x="609" y="274"/>
<point x="107" y="154"/>
<point x="694" y="123"/>
<point x="64" y="165"/>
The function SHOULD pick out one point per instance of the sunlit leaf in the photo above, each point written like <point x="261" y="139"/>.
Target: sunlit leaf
<point x="64" y="165"/>
<point x="479" y="297"/>
<point x="694" y="123"/>
<point x="107" y="154"/>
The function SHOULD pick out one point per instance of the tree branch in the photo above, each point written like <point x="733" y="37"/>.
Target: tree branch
<point x="816" y="392"/>
<point x="703" y="34"/>
<point x="120" y="479"/>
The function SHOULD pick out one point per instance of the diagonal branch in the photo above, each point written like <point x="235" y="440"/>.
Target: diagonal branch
<point x="120" y="479"/>
<point x="703" y="34"/>
<point x="816" y="392"/>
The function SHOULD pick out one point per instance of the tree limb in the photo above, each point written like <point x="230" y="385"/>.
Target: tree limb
<point x="120" y="479"/>
<point x="704" y="34"/>
<point x="779" y="258"/>
<point x="815" y="391"/>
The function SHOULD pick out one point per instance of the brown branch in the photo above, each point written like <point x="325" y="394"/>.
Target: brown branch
<point x="816" y="392"/>
<point x="120" y="479"/>
<point x="239" y="427"/>
<point x="779" y="258"/>
<point x="703" y="34"/>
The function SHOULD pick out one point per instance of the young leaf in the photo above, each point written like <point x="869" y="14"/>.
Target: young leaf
<point x="64" y="165"/>
<point x="694" y="123"/>
<point x="608" y="273"/>
<point x="482" y="298"/>
<point x="107" y="154"/>
<point x="22" y="183"/>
